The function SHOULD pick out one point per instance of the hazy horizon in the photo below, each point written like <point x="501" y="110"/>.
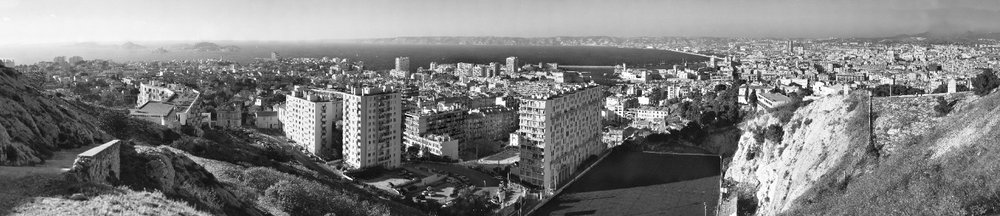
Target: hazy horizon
<point x="69" y="21"/>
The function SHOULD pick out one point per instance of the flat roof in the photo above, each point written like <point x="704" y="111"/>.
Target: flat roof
<point x="153" y="108"/>
<point x="642" y="183"/>
<point x="267" y="113"/>
<point x="774" y="97"/>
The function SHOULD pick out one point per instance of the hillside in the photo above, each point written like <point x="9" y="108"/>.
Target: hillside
<point x="778" y="162"/>
<point x="913" y="162"/>
<point x="158" y="173"/>
<point x="33" y="125"/>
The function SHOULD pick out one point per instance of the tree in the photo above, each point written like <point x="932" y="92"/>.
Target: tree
<point x="115" y="123"/>
<point x="752" y="98"/>
<point x="720" y="87"/>
<point x="469" y="202"/>
<point x="985" y="82"/>
<point x="774" y="133"/>
<point x="777" y="90"/>
<point x="944" y="107"/>
<point x="943" y="88"/>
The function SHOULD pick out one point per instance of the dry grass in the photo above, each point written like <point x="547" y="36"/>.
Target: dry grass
<point x="49" y="195"/>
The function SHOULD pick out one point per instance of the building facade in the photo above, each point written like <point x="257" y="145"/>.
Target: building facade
<point x="183" y="99"/>
<point x="308" y="119"/>
<point x="267" y="120"/>
<point x="230" y="117"/>
<point x="424" y="128"/>
<point x="403" y="63"/>
<point x="512" y="65"/>
<point x="372" y="127"/>
<point x="557" y="132"/>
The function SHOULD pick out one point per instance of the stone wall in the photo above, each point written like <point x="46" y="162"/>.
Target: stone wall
<point x="100" y="164"/>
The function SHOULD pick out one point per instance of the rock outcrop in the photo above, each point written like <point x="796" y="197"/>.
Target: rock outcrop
<point x="838" y="157"/>
<point x="812" y="145"/>
<point x="168" y="170"/>
<point x="33" y="125"/>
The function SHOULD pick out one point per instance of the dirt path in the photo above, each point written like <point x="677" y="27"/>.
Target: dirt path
<point x="60" y="162"/>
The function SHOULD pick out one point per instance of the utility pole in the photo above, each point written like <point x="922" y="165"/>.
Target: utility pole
<point x="704" y="207"/>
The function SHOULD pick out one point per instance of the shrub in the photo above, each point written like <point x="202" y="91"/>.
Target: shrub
<point x="774" y="133"/>
<point x="985" y="82"/>
<point x="295" y="199"/>
<point x="944" y="107"/>
<point x="892" y="90"/>
<point x="943" y="88"/>
<point x="758" y="135"/>
<point x="746" y="204"/>
<point x="298" y="196"/>
<point x="115" y="123"/>
<point x="261" y="178"/>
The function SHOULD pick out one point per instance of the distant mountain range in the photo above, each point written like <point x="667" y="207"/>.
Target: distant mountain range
<point x="922" y="38"/>
<point x="197" y="47"/>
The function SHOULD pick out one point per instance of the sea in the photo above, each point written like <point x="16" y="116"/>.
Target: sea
<point x="375" y="56"/>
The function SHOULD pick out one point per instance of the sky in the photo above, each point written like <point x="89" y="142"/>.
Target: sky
<point x="52" y="21"/>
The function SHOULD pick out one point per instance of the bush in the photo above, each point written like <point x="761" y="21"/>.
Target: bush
<point x="297" y="196"/>
<point x="943" y="88"/>
<point x="115" y="123"/>
<point x="893" y="90"/>
<point x="261" y="178"/>
<point x="985" y="82"/>
<point x="296" y="199"/>
<point x="758" y="135"/>
<point x="774" y="133"/>
<point x="944" y="107"/>
<point x="746" y="204"/>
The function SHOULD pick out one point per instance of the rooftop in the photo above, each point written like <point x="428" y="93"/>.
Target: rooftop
<point x="153" y="108"/>
<point x="773" y="96"/>
<point x="267" y="113"/>
<point x="546" y="91"/>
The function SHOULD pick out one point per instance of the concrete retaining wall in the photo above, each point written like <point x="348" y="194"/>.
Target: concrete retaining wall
<point x="100" y="164"/>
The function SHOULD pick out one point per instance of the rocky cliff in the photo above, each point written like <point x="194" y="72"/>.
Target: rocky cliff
<point x="836" y="156"/>
<point x="777" y="162"/>
<point x="33" y="125"/>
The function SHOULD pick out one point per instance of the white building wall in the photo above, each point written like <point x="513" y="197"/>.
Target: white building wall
<point x="372" y="129"/>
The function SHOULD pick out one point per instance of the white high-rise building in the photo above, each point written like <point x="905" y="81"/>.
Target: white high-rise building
<point x="373" y="127"/>
<point x="558" y="131"/>
<point x="403" y="63"/>
<point x="512" y="64"/>
<point x="308" y="118"/>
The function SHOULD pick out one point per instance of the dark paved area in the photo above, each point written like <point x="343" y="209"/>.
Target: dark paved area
<point x="638" y="183"/>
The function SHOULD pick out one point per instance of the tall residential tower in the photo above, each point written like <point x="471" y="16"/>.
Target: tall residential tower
<point x="309" y="119"/>
<point x="373" y="127"/>
<point x="512" y="64"/>
<point x="559" y="129"/>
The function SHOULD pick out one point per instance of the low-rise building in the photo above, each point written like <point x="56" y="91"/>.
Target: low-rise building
<point x="182" y="99"/>
<point x="156" y="112"/>
<point x="768" y="100"/>
<point x="267" y="120"/>
<point x="230" y="117"/>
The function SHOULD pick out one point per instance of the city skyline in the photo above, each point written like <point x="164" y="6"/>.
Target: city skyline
<point x="61" y="21"/>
